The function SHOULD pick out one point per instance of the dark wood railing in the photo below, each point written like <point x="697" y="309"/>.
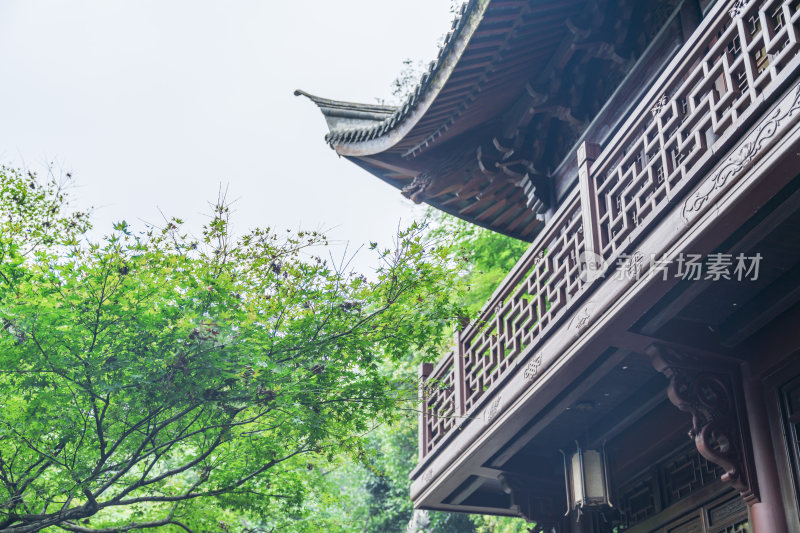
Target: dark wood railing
<point x="722" y="80"/>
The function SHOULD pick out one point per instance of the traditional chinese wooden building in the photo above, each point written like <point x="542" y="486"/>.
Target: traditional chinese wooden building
<point x="650" y="152"/>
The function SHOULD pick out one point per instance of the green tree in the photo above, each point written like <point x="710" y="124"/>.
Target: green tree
<point x="378" y="487"/>
<point x="152" y="379"/>
<point x="484" y="257"/>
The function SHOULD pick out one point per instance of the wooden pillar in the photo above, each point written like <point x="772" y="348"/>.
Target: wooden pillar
<point x="425" y="370"/>
<point x="768" y="515"/>
<point x="587" y="153"/>
<point x="459" y="379"/>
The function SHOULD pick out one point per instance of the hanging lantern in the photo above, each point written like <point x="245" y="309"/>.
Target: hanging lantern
<point x="586" y="477"/>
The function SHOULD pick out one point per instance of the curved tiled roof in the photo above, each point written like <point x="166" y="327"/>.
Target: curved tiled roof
<point x="423" y="86"/>
<point x="347" y="115"/>
<point x="420" y="98"/>
<point x="514" y="77"/>
<point x="475" y="73"/>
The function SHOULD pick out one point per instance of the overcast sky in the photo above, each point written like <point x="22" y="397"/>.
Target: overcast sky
<point x="153" y="104"/>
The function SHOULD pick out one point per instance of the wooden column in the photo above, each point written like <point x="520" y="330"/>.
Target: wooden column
<point x="768" y="515"/>
<point x="459" y="379"/>
<point x="587" y="153"/>
<point x="425" y="370"/>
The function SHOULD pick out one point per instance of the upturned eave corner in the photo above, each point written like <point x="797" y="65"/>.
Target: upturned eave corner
<point x="370" y="139"/>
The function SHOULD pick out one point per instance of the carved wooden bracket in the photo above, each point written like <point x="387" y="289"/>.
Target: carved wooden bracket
<point x="530" y="501"/>
<point x="500" y="161"/>
<point x="711" y="392"/>
<point x="417" y="189"/>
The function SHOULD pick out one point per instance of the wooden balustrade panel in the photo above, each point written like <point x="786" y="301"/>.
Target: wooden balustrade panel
<point x="742" y="56"/>
<point x="550" y="277"/>
<point x="439" y="403"/>
<point x="721" y="83"/>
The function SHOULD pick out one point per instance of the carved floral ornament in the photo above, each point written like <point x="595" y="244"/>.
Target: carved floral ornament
<point x="660" y="105"/>
<point x="737" y="8"/>
<point x="634" y="264"/>
<point x="744" y="156"/>
<point x="582" y="317"/>
<point x="532" y="368"/>
<point x="494" y="409"/>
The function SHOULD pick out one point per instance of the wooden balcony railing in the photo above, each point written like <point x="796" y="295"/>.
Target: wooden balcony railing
<point x="702" y="109"/>
<point x="727" y="75"/>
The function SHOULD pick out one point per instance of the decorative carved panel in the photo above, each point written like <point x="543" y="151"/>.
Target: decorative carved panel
<point x="666" y="483"/>
<point x="494" y="409"/>
<point x="438" y="404"/>
<point x="696" y="112"/>
<point x="637" y="501"/>
<point x="711" y="393"/>
<point x="687" y="473"/>
<point x="541" y="285"/>
<point x="725" y="512"/>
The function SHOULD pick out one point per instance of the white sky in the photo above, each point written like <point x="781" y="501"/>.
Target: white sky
<point x="153" y="104"/>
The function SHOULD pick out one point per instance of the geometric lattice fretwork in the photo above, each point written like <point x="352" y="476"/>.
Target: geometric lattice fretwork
<point x="697" y="110"/>
<point x="668" y="482"/>
<point x="687" y="473"/>
<point x="538" y="288"/>
<point x="637" y="501"/>
<point x="713" y="93"/>
<point x="439" y="403"/>
<point x="728" y="517"/>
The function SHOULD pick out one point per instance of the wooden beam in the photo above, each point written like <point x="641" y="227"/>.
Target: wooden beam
<point x="694" y="289"/>
<point x="551" y="412"/>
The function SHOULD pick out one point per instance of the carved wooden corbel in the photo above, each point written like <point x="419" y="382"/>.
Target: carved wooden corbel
<point x="711" y="392"/>
<point x="539" y="190"/>
<point x="495" y="161"/>
<point x="531" y="500"/>
<point x="415" y="191"/>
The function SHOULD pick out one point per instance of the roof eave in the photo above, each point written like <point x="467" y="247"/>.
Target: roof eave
<point x="438" y="78"/>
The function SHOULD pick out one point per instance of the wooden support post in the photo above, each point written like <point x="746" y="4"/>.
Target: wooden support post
<point x="768" y="513"/>
<point x="425" y="370"/>
<point x="459" y="378"/>
<point x="587" y="154"/>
